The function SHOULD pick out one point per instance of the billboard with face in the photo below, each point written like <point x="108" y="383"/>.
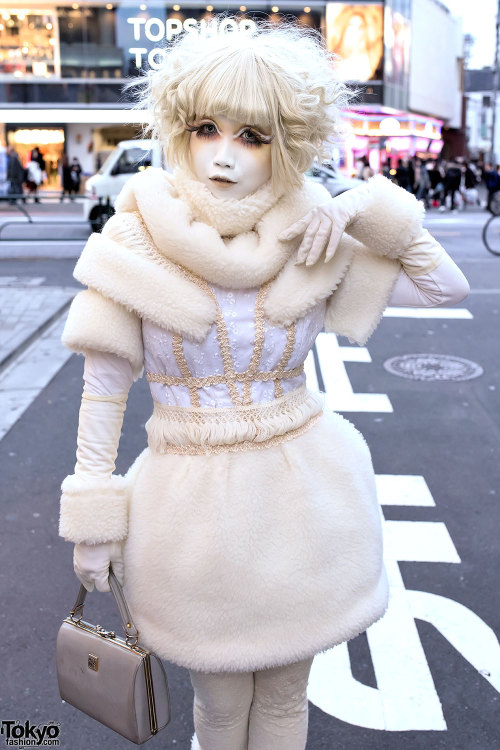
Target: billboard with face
<point x="355" y="33"/>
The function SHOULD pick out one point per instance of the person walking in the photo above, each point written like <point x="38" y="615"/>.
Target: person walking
<point x="452" y="180"/>
<point x="247" y="535"/>
<point x="404" y="176"/>
<point x="66" y="179"/>
<point x="436" y="177"/>
<point x="422" y="182"/>
<point x="492" y="181"/>
<point x="471" y="181"/>
<point x="33" y="179"/>
<point x="35" y="175"/>
<point x="76" y="171"/>
<point x="15" y="175"/>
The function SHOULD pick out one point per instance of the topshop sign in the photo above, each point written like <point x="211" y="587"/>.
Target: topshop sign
<point x="156" y="30"/>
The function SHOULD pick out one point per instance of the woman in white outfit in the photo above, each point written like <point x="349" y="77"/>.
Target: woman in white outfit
<point x="247" y="534"/>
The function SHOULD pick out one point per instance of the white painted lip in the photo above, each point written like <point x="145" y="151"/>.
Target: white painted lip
<point x="220" y="178"/>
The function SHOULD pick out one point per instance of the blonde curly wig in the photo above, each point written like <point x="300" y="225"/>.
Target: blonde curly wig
<point x="277" y="78"/>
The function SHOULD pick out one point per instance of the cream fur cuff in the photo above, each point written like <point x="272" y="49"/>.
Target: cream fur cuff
<point x="93" y="509"/>
<point x="391" y="218"/>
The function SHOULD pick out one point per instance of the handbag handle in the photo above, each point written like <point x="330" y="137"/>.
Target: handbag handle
<point x="131" y="632"/>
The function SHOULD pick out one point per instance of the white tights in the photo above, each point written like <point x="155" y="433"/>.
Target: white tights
<point x="264" y="710"/>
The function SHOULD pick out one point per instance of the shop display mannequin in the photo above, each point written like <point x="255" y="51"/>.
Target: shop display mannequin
<point x="247" y="534"/>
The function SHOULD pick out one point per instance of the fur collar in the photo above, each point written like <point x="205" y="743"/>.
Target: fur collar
<point x="245" y="260"/>
<point x="227" y="215"/>
<point x="143" y="257"/>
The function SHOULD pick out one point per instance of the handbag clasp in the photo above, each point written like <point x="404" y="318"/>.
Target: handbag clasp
<point x="105" y="633"/>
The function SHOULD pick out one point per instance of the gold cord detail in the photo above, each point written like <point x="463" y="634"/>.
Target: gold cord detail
<point x="240" y="377"/>
<point x="184" y="369"/>
<point x="230" y="377"/>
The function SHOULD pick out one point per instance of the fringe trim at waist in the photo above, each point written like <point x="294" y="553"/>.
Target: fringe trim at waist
<point x="193" y="431"/>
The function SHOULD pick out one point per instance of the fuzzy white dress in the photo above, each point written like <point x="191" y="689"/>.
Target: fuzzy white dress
<point x="229" y="553"/>
<point x="254" y="532"/>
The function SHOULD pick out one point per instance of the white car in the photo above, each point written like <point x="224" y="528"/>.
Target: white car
<point x="126" y="159"/>
<point x="334" y="181"/>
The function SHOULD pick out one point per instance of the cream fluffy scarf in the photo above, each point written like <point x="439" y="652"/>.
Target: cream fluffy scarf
<point x="164" y="224"/>
<point x="232" y="243"/>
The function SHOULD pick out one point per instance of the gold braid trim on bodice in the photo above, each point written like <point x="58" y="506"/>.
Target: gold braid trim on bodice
<point x="230" y="377"/>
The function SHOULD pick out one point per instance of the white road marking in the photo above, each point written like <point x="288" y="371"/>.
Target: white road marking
<point x="461" y="627"/>
<point x="339" y="393"/>
<point x="310" y="371"/>
<point x="354" y="354"/>
<point x="451" y="313"/>
<point x="419" y="541"/>
<point x="25" y="377"/>
<point x="403" y="489"/>
<point x="405" y="698"/>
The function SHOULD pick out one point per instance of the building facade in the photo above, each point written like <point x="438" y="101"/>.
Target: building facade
<point x="63" y="67"/>
<point x="480" y="101"/>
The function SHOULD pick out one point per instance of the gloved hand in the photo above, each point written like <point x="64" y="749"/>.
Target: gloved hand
<point x="324" y="225"/>
<point x="91" y="564"/>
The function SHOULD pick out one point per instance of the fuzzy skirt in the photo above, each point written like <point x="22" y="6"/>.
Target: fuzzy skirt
<point x="241" y="561"/>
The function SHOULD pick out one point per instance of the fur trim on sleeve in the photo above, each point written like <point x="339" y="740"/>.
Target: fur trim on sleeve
<point x="96" y="322"/>
<point x="147" y="283"/>
<point x="356" y="307"/>
<point x="391" y="219"/>
<point x="93" y="509"/>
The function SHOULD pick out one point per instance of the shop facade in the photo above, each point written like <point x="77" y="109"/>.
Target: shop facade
<point x="63" y="67"/>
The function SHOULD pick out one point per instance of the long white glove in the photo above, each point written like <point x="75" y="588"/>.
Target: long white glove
<point x="94" y="502"/>
<point x="91" y="564"/>
<point x="324" y="225"/>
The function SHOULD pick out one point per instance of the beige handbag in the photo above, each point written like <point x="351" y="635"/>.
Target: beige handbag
<point x="111" y="679"/>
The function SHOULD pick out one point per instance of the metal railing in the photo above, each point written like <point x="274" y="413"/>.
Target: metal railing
<point x="20" y="202"/>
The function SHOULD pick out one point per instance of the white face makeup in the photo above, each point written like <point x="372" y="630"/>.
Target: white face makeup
<point x="231" y="158"/>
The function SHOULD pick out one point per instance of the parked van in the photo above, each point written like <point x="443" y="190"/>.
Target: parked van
<point x="126" y="159"/>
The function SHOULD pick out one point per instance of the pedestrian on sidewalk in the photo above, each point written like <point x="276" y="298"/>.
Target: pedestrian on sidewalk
<point x="422" y="182"/>
<point x="492" y="182"/>
<point x="436" y="176"/>
<point x="405" y="175"/>
<point x="37" y="176"/>
<point x="471" y="180"/>
<point x="33" y="179"/>
<point x="76" y="171"/>
<point x="15" y="175"/>
<point x="247" y="534"/>
<point x="66" y="180"/>
<point x="452" y="180"/>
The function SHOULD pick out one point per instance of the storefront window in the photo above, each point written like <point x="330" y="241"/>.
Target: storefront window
<point x="49" y="142"/>
<point x="28" y="43"/>
<point x="88" y="43"/>
<point x="112" y="40"/>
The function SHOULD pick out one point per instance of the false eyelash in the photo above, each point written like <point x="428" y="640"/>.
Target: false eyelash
<point x="260" y="138"/>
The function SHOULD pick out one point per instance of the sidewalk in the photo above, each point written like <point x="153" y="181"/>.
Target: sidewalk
<point x="32" y="319"/>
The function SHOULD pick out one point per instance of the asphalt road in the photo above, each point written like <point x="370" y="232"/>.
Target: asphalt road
<point x="428" y="675"/>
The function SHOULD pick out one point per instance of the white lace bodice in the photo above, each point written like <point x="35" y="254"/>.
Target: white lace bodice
<point x="243" y="360"/>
